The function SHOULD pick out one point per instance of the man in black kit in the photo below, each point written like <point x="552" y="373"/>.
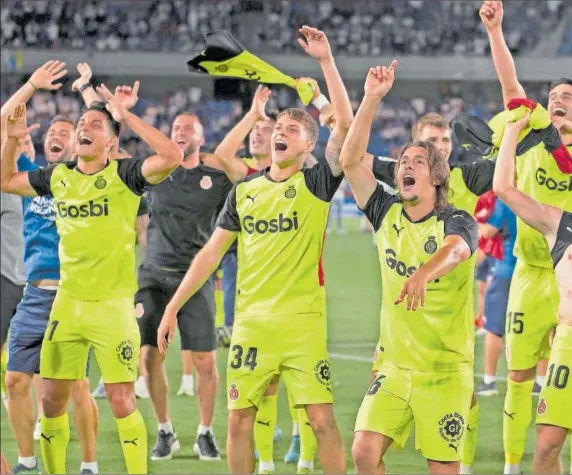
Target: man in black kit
<point x="183" y="211"/>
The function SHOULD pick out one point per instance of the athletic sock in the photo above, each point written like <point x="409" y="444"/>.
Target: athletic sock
<point x="204" y="430"/>
<point x="308" y="443"/>
<point x="54" y="442"/>
<point x="28" y="462"/>
<point x="89" y="466"/>
<point x="265" y="467"/>
<point x="471" y="437"/>
<point x="516" y="419"/>
<point x="188" y="380"/>
<point x="167" y="427"/>
<point x="489" y="379"/>
<point x="133" y="437"/>
<point x="264" y="428"/>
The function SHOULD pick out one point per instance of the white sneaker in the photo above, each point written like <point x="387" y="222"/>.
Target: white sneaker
<point x="38" y="430"/>
<point x="141" y="389"/>
<point x="186" y="390"/>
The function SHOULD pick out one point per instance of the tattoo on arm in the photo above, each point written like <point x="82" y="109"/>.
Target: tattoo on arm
<point x="332" y="154"/>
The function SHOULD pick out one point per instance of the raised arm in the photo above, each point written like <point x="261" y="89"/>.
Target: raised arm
<point x="235" y="168"/>
<point x="11" y="180"/>
<point x="315" y="44"/>
<point x="83" y="86"/>
<point x="491" y="14"/>
<point x="42" y="78"/>
<point x="168" y="156"/>
<point x="543" y="218"/>
<point x="458" y="246"/>
<point x="204" y="264"/>
<point x="359" y="174"/>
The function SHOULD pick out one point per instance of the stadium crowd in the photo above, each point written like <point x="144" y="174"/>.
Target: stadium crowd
<point x="196" y="202"/>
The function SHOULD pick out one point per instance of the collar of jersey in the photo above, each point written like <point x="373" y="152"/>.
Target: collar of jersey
<point x="422" y="220"/>
<point x="76" y="168"/>
<point x="269" y="178"/>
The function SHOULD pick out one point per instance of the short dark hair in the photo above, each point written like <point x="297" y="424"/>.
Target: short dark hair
<point x="100" y="107"/>
<point x="433" y="119"/>
<point x="189" y="114"/>
<point x="273" y="115"/>
<point x="62" y="118"/>
<point x="307" y="121"/>
<point x="559" y="82"/>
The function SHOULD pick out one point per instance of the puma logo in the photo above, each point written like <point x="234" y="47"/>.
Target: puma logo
<point x="454" y="447"/>
<point x="397" y="230"/>
<point x="47" y="439"/>
<point x="134" y="441"/>
<point x="64" y="183"/>
<point x="251" y="197"/>
<point x="569" y="229"/>
<point x="510" y="415"/>
<point x="308" y="424"/>
<point x="264" y="423"/>
<point x="469" y="429"/>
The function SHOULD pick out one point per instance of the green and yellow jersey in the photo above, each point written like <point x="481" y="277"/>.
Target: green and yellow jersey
<point x="281" y="228"/>
<point x="538" y="176"/>
<point x="466" y="184"/>
<point x="440" y="335"/>
<point x="95" y="218"/>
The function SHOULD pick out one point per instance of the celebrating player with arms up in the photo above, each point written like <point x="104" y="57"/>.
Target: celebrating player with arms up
<point x="554" y="417"/>
<point x="279" y="216"/>
<point x="532" y="306"/>
<point x="425" y="247"/>
<point x="96" y="201"/>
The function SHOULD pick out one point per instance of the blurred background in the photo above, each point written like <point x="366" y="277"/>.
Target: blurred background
<point x="441" y="45"/>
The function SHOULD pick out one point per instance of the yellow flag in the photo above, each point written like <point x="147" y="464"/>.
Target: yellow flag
<point x="225" y="56"/>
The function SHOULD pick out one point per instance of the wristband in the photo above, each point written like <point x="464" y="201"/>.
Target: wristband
<point x="84" y="87"/>
<point x="320" y="102"/>
<point x="32" y="84"/>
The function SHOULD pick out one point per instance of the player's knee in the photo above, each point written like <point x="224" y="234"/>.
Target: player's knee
<point x="121" y="397"/>
<point x="547" y="450"/>
<point x="153" y="360"/>
<point x="363" y="455"/>
<point x="53" y="403"/>
<point x="522" y="375"/>
<point x="18" y="384"/>
<point x="205" y="363"/>
<point x="80" y="392"/>
<point x="240" y="422"/>
<point x="322" y="420"/>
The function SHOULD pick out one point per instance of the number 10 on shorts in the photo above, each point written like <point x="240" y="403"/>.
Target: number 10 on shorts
<point x="240" y="359"/>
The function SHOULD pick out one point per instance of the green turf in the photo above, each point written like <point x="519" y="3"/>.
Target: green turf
<point x="352" y="279"/>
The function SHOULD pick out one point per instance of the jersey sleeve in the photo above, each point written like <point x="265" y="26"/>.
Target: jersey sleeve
<point x="479" y="176"/>
<point x="383" y="169"/>
<point x="228" y="218"/>
<point x="321" y="181"/>
<point x="143" y="207"/>
<point x="40" y="180"/>
<point x="130" y="170"/>
<point x="378" y="206"/>
<point x="460" y="223"/>
<point x="498" y="216"/>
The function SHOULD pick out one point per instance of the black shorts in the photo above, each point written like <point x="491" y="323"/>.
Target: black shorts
<point x="10" y="296"/>
<point x="196" y="320"/>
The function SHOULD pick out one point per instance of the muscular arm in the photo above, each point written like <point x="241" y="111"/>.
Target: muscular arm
<point x="168" y="156"/>
<point x="453" y="251"/>
<point x="21" y="96"/>
<point x="204" y="264"/>
<point x="141" y="226"/>
<point x="505" y="67"/>
<point x="358" y="173"/>
<point x="235" y="168"/>
<point x="11" y="180"/>
<point x="542" y="217"/>
<point x="487" y="230"/>
<point x="342" y="111"/>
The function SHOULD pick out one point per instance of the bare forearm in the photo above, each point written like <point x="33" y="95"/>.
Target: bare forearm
<point x="442" y="262"/>
<point x="154" y="138"/>
<point x="503" y="179"/>
<point x="22" y="95"/>
<point x="8" y="160"/>
<point x="355" y="144"/>
<point x="505" y="67"/>
<point x="230" y="145"/>
<point x="90" y="96"/>
<point x="204" y="264"/>
<point x="338" y="94"/>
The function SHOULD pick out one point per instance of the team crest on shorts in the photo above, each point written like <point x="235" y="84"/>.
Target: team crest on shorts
<point x="322" y="372"/>
<point x="541" y="409"/>
<point x="100" y="183"/>
<point x="290" y="192"/>
<point x="125" y="352"/>
<point x="206" y="182"/>
<point x="451" y="429"/>
<point x="431" y="245"/>
<point x="233" y="393"/>
<point x="139" y="310"/>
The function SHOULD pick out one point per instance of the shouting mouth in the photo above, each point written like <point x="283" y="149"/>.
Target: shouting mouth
<point x="280" y="145"/>
<point x="408" y="182"/>
<point x="85" y="140"/>
<point x="56" y="148"/>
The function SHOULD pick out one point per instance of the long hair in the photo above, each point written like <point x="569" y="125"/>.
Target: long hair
<point x="439" y="169"/>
